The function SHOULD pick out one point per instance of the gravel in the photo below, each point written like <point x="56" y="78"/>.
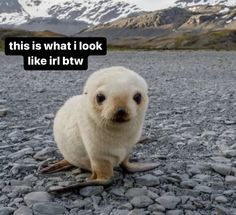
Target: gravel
<point x="190" y="128"/>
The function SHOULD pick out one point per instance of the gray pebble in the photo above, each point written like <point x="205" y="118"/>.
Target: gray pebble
<point x="223" y="169"/>
<point x="120" y="212"/>
<point x="118" y="191"/>
<point x="188" y="184"/>
<point x="127" y="206"/>
<point x="6" y="211"/>
<point x="148" y="180"/>
<point x="231" y="180"/>
<point x="23" y="210"/>
<point x="137" y="212"/>
<point x="48" y="116"/>
<point x="133" y="192"/>
<point x="220" y="159"/>
<point x="156" y="207"/>
<point x="34" y="197"/>
<point x="175" y="212"/>
<point x="169" y="202"/>
<point x="80" y="203"/>
<point x="22" y="189"/>
<point x="221" y="199"/>
<point x="222" y="210"/>
<point x="48" y="208"/>
<point x="229" y="153"/>
<point x="3" y="101"/>
<point x="203" y="189"/>
<point x="141" y="201"/>
<point x="44" y="153"/>
<point x="91" y="190"/>
<point x="158" y="172"/>
<point x="16" y="136"/>
<point x="3" y="112"/>
<point x="21" y="153"/>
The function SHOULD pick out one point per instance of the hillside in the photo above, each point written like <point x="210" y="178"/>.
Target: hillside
<point x="21" y="33"/>
<point x="201" y="27"/>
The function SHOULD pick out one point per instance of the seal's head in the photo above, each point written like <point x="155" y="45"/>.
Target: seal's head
<point x="116" y="95"/>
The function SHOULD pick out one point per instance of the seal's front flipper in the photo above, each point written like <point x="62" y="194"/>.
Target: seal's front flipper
<point x="102" y="172"/>
<point x="77" y="186"/>
<point x="138" y="167"/>
<point x="56" y="167"/>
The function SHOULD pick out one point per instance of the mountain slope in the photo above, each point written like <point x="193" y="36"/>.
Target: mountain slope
<point x="21" y="33"/>
<point x="59" y="14"/>
<point x="173" y="28"/>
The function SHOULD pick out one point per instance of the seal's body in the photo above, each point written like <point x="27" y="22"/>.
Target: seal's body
<point x="97" y="130"/>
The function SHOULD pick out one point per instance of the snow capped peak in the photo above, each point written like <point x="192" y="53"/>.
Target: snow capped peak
<point x="90" y="11"/>
<point x="190" y="3"/>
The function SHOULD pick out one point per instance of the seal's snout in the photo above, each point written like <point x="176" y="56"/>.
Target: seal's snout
<point x="121" y="115"/>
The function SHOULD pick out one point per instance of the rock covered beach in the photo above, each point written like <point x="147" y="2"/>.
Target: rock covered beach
<point x="190" y="128"/>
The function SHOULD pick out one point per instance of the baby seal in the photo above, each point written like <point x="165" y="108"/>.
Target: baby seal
<point x="97" y="130"/>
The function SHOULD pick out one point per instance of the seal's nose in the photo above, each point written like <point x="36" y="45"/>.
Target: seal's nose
<point x="121" y="112"/>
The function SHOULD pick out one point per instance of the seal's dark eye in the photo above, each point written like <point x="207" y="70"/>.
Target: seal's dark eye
<point x="100" y="98"/>
<point x="137" y="98"/>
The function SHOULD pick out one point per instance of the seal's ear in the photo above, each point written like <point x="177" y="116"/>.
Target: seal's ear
<point x="85" y="93"/>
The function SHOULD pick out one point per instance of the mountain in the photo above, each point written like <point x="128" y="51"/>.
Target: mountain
<point x="191" y="3"/>
<point x="63" y="16"/>
<point x="21" y="33"/>
<point x="173" y="28"/>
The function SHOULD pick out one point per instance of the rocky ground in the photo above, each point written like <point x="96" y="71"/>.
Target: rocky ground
<point x="190" y="125"/>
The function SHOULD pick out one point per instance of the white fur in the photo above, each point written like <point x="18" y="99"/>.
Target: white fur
<point x="83" y="134"/>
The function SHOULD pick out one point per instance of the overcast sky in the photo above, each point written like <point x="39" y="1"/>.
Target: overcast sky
<point x="151" y="4"/>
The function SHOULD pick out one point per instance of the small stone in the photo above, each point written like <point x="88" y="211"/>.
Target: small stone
<point x="21" y="153"/>
<point x="137" y="212"/>
<point x="48" y="208"/>
<point x="22" y="189"/>
<point x="76" y="171"/>
<point x="3" y="198"/>
<point x="17" y="168"/>
<point x="229" y="153"/>
<point x="23" y="210"/>
<point x="3" y="112"/>
<point x="48" y="116"/>
<point x="120" y="212"/>
<point x="201" y="177"/>
<point x="16" y="136"/>
<point x="221" y="199"/>
<point x="35" y="197"/>
<point x="44" y="153"/>
<point x="169" y="202"/>
<point x="152" y="195"/>
<point x="175" y="212"/>
<point x="230" y="180"/>
<point x="141" y="201"/>
<point x="228" y="192"/>
<point x="188" y="184"/>
<point x="203" y="189"/>
<point x="158" y="172"/>
<point x="118" y="191"/>
<point x="3" y="101"/>
<point x="156" y="207"/>
<point x="194" y="170"/>
<point x="222" y="210"/>
<point x="127" y="206"/>
<point x="79" y="203"/>
<point x="6" y="211"/>
<point x="223" y="169"/>
<point x="219" y="159"/>
<point x="148" y="180"/>
<point x="133" y="192"/>
<point x="91" y="190"/>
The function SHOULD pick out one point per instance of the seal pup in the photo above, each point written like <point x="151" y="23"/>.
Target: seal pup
<point x="97" y="130"/>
